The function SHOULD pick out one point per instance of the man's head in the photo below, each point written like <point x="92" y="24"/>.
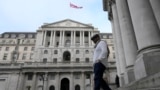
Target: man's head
<point x="95" y="38"/>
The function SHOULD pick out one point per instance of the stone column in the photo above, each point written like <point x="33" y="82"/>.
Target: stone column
<point x="89" y="38"/>
<point x="42" y="37"/>
<point x="44" y="43"/>
<point x="83" y="42"/>
<point x="54" y="35"/>
<point x="92" y="81"/>
<point x="58" y="81"/>
<point x="120" y="49"/>
<point x="83" y="81"/>
<point x="80" y="38"/>
<point x="72" y="82"/>
<point x="155" y="4"/>
<point x="60" y="39"/>
<point x="34" y="81"/>
<point x="144" y="22"/>
<point x="51" y="38"/>
<point x="116" y="51"/>
<point x="128" y="37"/>
<point x="45" y="81"/>
<point x="63" y="38"/>
<point x="21" y="81"/>
<point x="147" y="35"/>
<point x="72" y="40"/>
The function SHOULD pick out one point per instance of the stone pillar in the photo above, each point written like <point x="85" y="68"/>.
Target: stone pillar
<point x="148" y="37"/>
<point x="80" y="38"/>
<point x="144" y="22"/>
<point x="72" y="82"/>
<point x="155" y="4"/>
<point x="45" y="81"/>
<point x="21" y="81"/>
<point x="34" y="81"/>
<point x="92" y="81"/>
<point x="58" y="81"/>
<point x="120" y="49"/>
<point x="63" y="38"/>
<point x="72" y="40"/>
<point x="54" y="35"/>
<point x="51" y="38"/>
<point x="89" y="38"/>
<point x="116" y="51"/>
<point x="83" y="81"/>
<point x="128" y="37"/>
<point x="60" y="39"/>
<point x="83" y="41"/>
<point x="44" y="40"/>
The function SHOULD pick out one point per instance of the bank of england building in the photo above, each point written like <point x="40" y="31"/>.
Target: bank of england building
<point x="58" y="56"/>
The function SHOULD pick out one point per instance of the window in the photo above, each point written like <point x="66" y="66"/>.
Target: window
<point x="30" y="36"/>
<point x="5" y="56"/>
<point x="87" y="52"/>
<point x="31" y="56"/>
<point x="77" y="60"/>
<point x="28" y="87"/>
<point x="13" y="36"/>
<point x="55" y="52"/>
<point x="54" y="60"/>
<point x="24" y="56"/>
<point x="45" y="52"/>
<point x="77" y="51"/>
<point x="30" y="76"/>
<point x="87" y="59"/>
<point x="25" y="48"/>
<point x="87" y="76"/>
<point x="7" y="48"/>
<point x="44" y="60"/>
<point x="21" y="36"/>
<point x="32" y="49"/>
<point x="6" y="35"/>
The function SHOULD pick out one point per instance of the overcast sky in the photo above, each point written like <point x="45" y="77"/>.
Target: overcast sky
<point x="28" y="15"/>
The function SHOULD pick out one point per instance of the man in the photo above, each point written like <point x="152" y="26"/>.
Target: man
<point x="100" y="57"/>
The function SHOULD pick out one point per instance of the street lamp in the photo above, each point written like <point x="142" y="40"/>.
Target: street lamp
<point x="43" y="78"/>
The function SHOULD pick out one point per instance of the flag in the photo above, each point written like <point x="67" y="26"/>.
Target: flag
<point x="75" y="6"/>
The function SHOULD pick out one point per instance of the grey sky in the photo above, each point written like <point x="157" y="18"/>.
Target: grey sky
<point x="28" y="15"/>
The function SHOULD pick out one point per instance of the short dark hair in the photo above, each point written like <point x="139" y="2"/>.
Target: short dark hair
<point x="94" y="36"/>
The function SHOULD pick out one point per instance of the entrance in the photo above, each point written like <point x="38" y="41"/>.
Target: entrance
<point x="64" y="84"/>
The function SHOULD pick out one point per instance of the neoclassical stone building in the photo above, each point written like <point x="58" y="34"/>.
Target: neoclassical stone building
<point x="136" y="32"/>
<point x="56" y="57"/>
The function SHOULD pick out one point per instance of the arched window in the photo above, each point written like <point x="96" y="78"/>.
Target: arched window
<point x="77" y="87"/>
<point x="51" y="88"/>
<point x="45" y="52"/>
<point x="66" y="56"/>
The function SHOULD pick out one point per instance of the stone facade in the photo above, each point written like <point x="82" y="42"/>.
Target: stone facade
<point x="57" y="56"/>
<point x="136" y="30"/>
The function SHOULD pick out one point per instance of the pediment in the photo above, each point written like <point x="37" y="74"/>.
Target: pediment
<point x="66" y="23"/>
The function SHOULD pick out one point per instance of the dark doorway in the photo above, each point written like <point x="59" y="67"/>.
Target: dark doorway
<point x="77" y="87"/>
<point x="64" y="84"/>
<point x="66" y="56"/>
<point x="51" y="88"/>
